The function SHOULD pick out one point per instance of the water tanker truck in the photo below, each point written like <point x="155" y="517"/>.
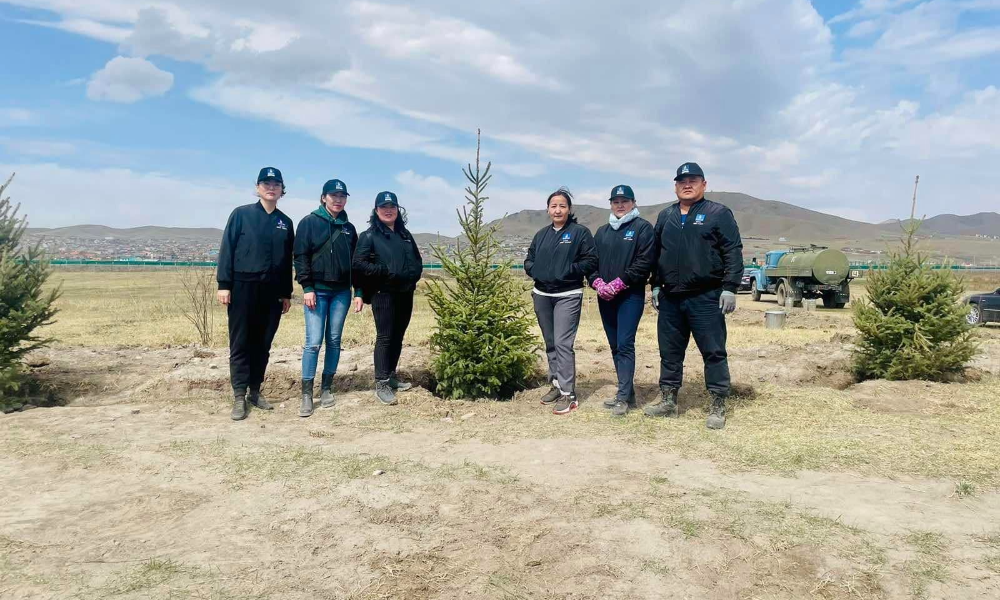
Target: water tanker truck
<point x="797" y="273"/>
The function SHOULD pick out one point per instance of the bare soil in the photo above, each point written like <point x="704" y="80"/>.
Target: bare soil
<point x="137" y="485"/>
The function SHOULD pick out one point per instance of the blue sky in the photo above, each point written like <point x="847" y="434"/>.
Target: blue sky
<point x="128" y="113"/>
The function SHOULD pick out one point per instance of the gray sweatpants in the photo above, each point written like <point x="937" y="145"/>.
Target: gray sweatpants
<point x="559" y="319"/>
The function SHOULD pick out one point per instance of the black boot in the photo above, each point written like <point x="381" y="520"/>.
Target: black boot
<point x="326" y="399"/>
<point x="257" y="400"/>
<point x="717" y="414"/>
<point x="240" y="409"/>
<point x="666" y="407"/>
<point x="307" y="398"/>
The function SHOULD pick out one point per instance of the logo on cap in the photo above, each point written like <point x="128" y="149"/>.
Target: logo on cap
<point x="388" y="197"/>
<point x="339" y="187"/>
<point x="270" y="173"/>
<point x="621" y="191"/>
<point x="686" y="168"/>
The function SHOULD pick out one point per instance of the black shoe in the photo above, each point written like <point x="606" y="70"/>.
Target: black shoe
<point x="717" y="414"/>
<point x="259" y="401"/>
<point x="611" y="403"/>
<point x="620" y="408"/>
<point x="552" y="395"/>
<point x="666" y="407"/>
<point x="326" y="399"/>
<point x="384" y="392"/>
<point x="307" y="398"/>
<point x="240" y="409"/>
<point x="397" y="385"/>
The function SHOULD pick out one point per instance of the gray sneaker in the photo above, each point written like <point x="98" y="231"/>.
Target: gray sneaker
<point x="717" y="414"/>
<point x="666" y="407"/>
<point x="620" y="409"/>
<point x="611" y="403"/>
<point x="551" y="396"/>
<point x="326" y="399"/>
<point x="239" y="407"/>
<point x="397" y="385"/>
<point x="566" y="404"/>
<point x="384" y="392"/>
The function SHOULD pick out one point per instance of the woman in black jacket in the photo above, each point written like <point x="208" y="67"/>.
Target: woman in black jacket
<point x="626" y="253"/>
<point x="560" y="257"/>
<point x="324" y="247"/>
<point x="387" y="265"/>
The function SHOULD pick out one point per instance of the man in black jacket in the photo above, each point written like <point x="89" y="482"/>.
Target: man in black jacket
<point x="255" y="284"/>
<point x="698" y="270"/>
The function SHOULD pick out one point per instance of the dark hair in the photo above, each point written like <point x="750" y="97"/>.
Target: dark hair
<point x="565" y="193"/>
<point x="282" y="188"/>
<point x="375" y="222"/>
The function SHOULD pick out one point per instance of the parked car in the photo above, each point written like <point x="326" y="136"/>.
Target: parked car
<point x="745" y="283"/>
<point x="984" y="308"/>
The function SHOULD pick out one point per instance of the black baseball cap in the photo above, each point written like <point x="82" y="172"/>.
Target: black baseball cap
<point x="689" y="168"/>
<point x="335" y="186"/>
<point x="385" y="198"/>
<point x="270" y="173"/>
<point x="622" y="190"/>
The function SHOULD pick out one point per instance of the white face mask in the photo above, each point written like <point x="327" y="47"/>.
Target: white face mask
<point x="615" y="222"/>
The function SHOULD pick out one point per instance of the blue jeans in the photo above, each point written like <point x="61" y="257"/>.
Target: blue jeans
<point x="621" y="321"/>
<point x="324" y="321"/>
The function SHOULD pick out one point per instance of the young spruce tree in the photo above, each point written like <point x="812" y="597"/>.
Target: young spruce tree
<point x="913" y="323"/>
<point x="483" y="344"/>
<point x="24" y="306"/>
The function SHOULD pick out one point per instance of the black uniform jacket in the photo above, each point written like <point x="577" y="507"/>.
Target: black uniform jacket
<point x="628" y="253"/>
<point x="387" y="261"/>
<point x="332" y="268"/>
<point x="257" y="246"/>
<point x="706" y="253"/>
<point x="559" y="261"/>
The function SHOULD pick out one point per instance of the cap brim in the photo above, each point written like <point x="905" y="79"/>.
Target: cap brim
<point x="621" y="196"/>
<point x="679" y="177"/>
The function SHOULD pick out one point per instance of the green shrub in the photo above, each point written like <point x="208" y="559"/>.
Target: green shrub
<point x="483" y="342"/>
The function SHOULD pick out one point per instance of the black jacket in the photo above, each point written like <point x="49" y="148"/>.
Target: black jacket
<point x="705" y="254"/>
<point x="387" y="261"/>
<point x="332" y="269"/>
<point x="628" y="253"/>
<point x="257" y="246"/>
<point x="559" y="261"/>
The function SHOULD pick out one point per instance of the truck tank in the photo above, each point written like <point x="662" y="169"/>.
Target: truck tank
<point x="827" y="266"/>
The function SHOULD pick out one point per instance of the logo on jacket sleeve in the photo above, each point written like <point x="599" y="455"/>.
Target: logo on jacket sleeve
<point x="699" y="219"/>
<point x="566" y="238"/>
<point x="629" y="235"/>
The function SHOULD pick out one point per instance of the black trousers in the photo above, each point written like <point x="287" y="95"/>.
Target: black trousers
<point x="392" y="311"/>
<point x="254" y="313"/>
<point x="685" y="315"/>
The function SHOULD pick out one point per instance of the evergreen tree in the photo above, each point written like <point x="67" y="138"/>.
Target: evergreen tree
<point x="23" y="304"/>
<point x="913" y="324"/>
<point x="483" y="343"/>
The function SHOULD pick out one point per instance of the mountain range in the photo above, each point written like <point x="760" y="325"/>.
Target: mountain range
<point x="757" y="219"/>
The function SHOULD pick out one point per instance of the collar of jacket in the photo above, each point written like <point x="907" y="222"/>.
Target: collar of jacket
<point x="325" y="214"/>
<point x="693" y="209"/>
<point x="384" y="230"/>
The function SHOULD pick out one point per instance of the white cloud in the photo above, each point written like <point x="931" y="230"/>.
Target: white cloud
<point x="86" y="27"/>
<point x="17" y="116"/>
<point x="38" y="147"/>
<point x="128" y="80"/>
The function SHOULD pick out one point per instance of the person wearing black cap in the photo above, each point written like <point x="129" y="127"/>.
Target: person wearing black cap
<point x="698" y="270"/>
<point x="625" y="257"/>
<point x="324" y="250"/>
<point x="387" y="265"/>
<point x="255" y="284"/>
<point x="561" y="256"/>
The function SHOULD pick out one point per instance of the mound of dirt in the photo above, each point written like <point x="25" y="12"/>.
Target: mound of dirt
<point x="911" y="397"/>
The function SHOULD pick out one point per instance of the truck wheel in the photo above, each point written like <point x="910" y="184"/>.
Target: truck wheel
<point x="840" y="305"/>
<point x="754" y="292"/>
<point x="780" y="293"/>
<point x="975" y="317"/>
<point x="830" y="300"/>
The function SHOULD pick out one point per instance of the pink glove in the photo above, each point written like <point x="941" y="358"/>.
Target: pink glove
<point x="605" y="293"/>
<point x="598" y="284"/>
<point x="616" y="287"/>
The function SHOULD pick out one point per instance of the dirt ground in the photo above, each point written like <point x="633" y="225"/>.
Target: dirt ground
<point x="138" y="485"/>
